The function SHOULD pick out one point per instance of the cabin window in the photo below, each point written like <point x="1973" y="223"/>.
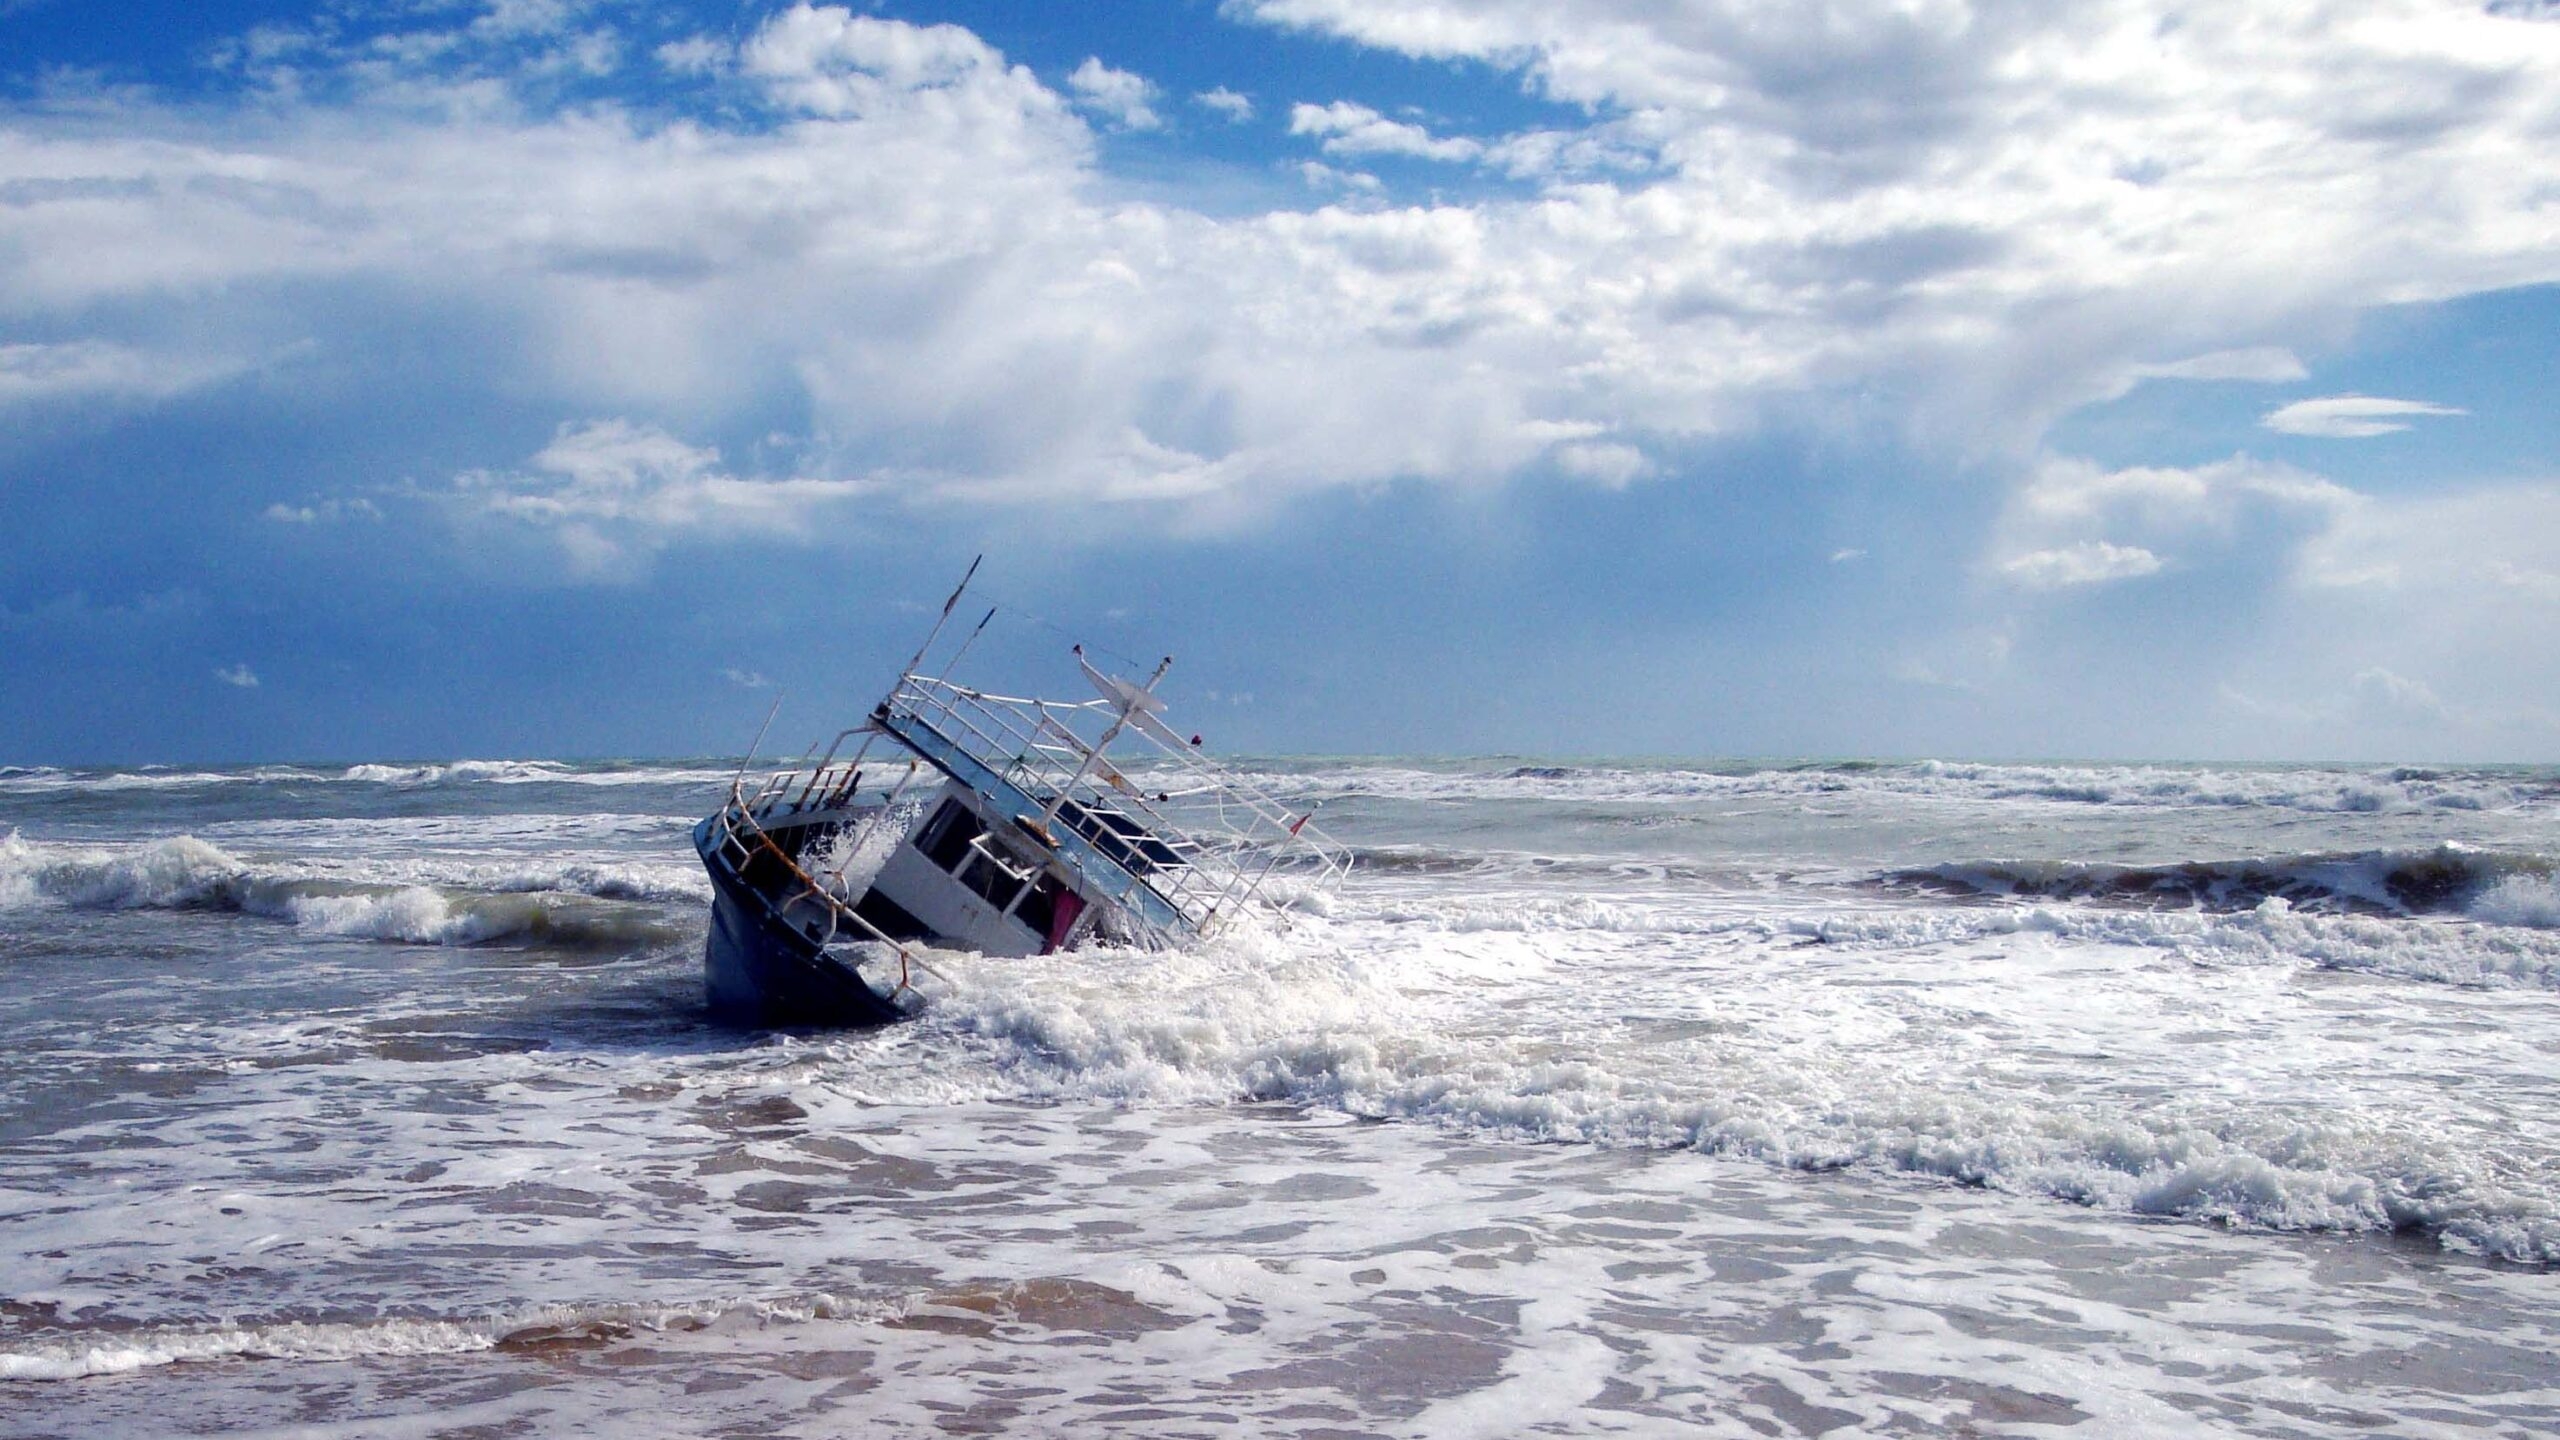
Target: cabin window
<point x="986" y="876"/>
<point x="955" y="840"/>
<point x="946" y="837"/>
<point x="1039" y="909"/>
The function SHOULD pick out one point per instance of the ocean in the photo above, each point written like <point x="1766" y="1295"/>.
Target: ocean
<point x="1605" y="1098"/>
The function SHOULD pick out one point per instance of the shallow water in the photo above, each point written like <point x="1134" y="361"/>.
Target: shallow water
<point x="1630" y="1098"/>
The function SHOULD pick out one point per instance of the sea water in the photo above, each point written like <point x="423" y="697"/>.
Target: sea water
<point x="1604" y="1098"/>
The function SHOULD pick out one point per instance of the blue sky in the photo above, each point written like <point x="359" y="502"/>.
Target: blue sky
<point x="560" y="377"/>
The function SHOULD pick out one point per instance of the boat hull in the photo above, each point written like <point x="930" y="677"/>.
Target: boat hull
<point x="759" y="970"/>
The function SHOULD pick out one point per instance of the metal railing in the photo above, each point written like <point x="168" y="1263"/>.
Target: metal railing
<point x="742" y="837"/>
<point x="1202" y="840"/>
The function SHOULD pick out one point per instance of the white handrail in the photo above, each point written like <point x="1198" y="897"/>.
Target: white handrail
<point x="1228" y="838"/>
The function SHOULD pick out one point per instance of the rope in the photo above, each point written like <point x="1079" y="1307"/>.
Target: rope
<point x="1015" y="611"/>
<point x="838" y="912"/>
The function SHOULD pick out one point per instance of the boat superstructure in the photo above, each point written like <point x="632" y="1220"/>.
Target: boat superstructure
<point x="971" y="820"/>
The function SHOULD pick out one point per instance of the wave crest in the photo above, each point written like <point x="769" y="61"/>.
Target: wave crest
<point x="1352" y="1034"/>
<point x="185" y="873"/>
<point x="2448" y="879"/>
<point x="81" y="1354"/>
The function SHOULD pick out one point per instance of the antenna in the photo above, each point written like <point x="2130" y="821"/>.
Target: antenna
<point x="750" y="757"/>
<point x="936" y="632"/>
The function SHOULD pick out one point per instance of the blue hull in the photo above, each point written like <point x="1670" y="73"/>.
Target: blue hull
<point x="759" y="970"/>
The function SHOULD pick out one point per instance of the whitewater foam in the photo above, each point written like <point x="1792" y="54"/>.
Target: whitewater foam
<point x="570" y="905"/>
<point x="2315" y="790"/>
<point x="2442" y="878"/>
<point x="2530" y="900"/>
<point x="1376" y="1027"/>
<point x="92" y="1353"/>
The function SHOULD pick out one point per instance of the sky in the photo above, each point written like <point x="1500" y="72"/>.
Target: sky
<point x="2125" y="379"/>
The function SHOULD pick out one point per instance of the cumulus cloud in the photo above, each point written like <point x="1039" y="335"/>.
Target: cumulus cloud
<point x="1345" y="128"/>
<point x="2350" y="417"/>
<point x="693" y="55"/>
<point x="2395" y="697"/>
<point x="2066" y="492"/>
<point x="2073" y="523"/>
<point x="2481" y="552"/>
<point x="1118" y="95"/>
<point x="325" y="511"/>
<point x="1991" y="215"/>
<point x="1320" y="176"/>
<point x="2090" y="562"/>
<point x="1608" y="464"/>
<point x="829" y="61"/>
<point x="1236" y="106"/>
<point x="237" y="676"/>
<point x="2414" y="618"/>
<point x="2135" y="215"/>
<point x="613" y="493"/>
<point x="528" y="17"/>
<point x="35" y="373"/>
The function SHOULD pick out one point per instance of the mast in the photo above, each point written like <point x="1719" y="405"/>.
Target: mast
<point x="1123" y="707"/>
<point x="945" y="618"/>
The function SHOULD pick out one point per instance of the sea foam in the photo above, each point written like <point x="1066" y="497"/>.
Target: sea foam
<point x="1391" y="1034"/>
<point x="568" y="905"/>
<point x="2531" y="900"/>
<point x="87" y="1354"/>
<point x="2440" y="878"/>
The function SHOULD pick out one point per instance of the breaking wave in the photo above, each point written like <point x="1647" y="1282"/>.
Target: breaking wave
<point x="500" y="771"/>
<point x="80" y="1354"/>
<point x="2503" y="887"/>
<point x="574" y="905"/>
<point x="2442" y="951"/>
<point x="2523" y="899"/>
<point x="45" y="779"/>
<point x="1264" y="1023"/>
<point x="2319" y="790"/>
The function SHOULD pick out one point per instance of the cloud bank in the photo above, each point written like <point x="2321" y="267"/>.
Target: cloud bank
<point x="2001" y="211"/>
<point x="2350" y="417"/>
<point x="831" y="274"/>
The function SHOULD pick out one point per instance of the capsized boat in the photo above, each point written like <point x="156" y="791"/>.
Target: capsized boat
<point x="1012" y="827"/>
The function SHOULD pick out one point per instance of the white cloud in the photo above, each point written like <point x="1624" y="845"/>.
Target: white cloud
<point x="2067" y="493"/>
<point x="1624" y="148"/>
<point x="2531" y="581"/>
<point x="1320" y="176"/>
<point x="36" y="373"/>
<point x="2090" y="562"/>
<point x="693" y="55"/>
<point x="1609" y="465"/>
<point x="828" y="61"/>
<point x="1117" y="94"/>
<point x="324" y="511"/>
<point x="2262" y="364"/>
<point x="527" y="17"/>
<point x="238" y="676"/>
<point x="2411" y="625"/>
<point x="748" y="679"/>
<point x="2481" y="553"/>
<point x="2128" y="181"/>
<point x="2074" y="523"/>
<point x="1236" y="106"/>
<point x="614" y="493"/>
<point x="1844" y="556"/>
<point x="2350" y="417"/>
<point x="1986" y="216"/>
<point x="1346" y="128"/>
<point x="2395" y="697"/>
